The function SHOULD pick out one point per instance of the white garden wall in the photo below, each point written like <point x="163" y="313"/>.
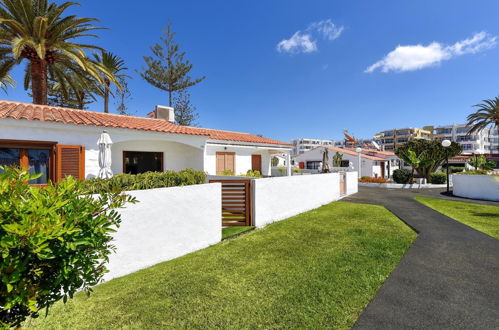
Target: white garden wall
<point x="166" y="223"/>
<point x="476" y="186"/>
<point x="282" y="197"/>
<point x="352" y="182"/>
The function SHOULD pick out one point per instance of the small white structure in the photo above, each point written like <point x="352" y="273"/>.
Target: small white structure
<point x="67" y="138"/>
<point x="484" y="187"/>
<point x="374" y="163"/>
<point x="105" y="160"/>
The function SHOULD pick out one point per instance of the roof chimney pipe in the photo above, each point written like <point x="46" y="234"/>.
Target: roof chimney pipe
<point x="163" y="112"/>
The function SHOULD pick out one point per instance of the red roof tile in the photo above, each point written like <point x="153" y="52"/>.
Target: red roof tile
<point x="45" y="113"/>
<point x="354" y="153"/>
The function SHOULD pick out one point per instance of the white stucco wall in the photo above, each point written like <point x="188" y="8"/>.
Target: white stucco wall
<point x="352" y="182"/>
<point x="476" y="186"/>
<point x="242" y="158"/>
<point x="166" y="223"/>
<point x="282" y="197"/>
<point x="180" y="150"/>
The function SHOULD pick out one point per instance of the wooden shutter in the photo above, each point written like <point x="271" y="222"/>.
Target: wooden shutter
<point x="220" y="162"/>
<point x="230" y="161"/>
<point x="256" y="163"/>
<point x="70" y="161"/>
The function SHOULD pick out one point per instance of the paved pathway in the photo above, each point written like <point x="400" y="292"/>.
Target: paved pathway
<point x="449" y="277"/>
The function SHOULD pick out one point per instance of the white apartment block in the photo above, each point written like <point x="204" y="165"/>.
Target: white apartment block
<point x="302" y="145"/>
<point x="483" y="142"/>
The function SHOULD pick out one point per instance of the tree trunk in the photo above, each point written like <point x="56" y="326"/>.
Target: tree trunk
<point x="169" y="98"/>
<point x="106" y="96"/>
<point x="39" y="86"/>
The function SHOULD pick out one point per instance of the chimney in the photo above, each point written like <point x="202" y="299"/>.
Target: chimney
<point x="162" y="112"/>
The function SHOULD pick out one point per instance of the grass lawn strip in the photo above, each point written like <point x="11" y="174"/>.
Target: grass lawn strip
<point x="318" y="269"/>
<point x="228" y="232"/>
<point x="484" y="218"/>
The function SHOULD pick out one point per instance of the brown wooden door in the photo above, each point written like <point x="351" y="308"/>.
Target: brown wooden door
<point x="256" y="163"/>
<point x="70" y="161"/>
<point x="382" y="169"/>
<point x="226" y="161"/>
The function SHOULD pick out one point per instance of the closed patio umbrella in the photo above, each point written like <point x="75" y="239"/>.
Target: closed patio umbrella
<point x="104" y="144"/>
<point x="325" y="161"/>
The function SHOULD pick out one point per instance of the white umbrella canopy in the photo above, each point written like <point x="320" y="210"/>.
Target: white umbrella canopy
<point x="104" y="144"/>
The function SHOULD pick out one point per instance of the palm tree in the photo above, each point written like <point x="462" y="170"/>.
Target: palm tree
<point x="37" y="31"/>
<point x="487" y="115"/>
<point x="113" y="65"/>
<point x="7" y="81"/>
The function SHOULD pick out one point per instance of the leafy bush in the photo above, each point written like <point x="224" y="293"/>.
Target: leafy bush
<point x="148" y="180"/>
<point x="282" y="169"/>
<point x="53" y="242"/>
<point x="402" y="175"/>
<point x="455" y="169"/>
<point x="479" y="162"/>
<point x="226" y="173"/>
<point x="369" y="179"/>
<point x="297" y="170"/>
<point x="474" y="172"/>
<point x="253" y="174"/>
<point x="438" y="178"/>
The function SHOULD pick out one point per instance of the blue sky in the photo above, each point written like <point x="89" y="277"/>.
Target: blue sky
<point x="289" y="68"/>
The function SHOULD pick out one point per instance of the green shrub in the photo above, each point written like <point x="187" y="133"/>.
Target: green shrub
<point x="253" y="174"/>
<point x="455" y="169"/>
<point x="438" y="178"/>
<point x="282" y="169"/>
<point x="226" y="173"/>
<point x="53" y="241"/>
<point x="474" y="172"/>
<point x="402" y="175"/>
<point x="297" y="170"/>
<point x="148" y="180"/>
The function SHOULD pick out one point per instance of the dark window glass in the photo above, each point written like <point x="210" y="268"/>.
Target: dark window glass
<point x="313" y="165"/>
<point x="10" y="157"/>
<point x="140" y="162"/>
<point x="38" y="160"/>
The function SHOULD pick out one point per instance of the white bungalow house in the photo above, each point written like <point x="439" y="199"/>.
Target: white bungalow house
<point x="58" y="141"/>
<point x="375" y="163"/>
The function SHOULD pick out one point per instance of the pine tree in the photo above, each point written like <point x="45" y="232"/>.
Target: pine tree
<point x="123" y="95"/>
<point x="167" y="69"/>
<point x="185" y="112"/>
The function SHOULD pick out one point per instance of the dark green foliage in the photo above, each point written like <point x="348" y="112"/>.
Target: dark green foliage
<point x="148" y="180"/>
<point x="53" y="242"/>
<point x="455" y="169"/>
<point x="479" y="162"/>
<point x="438" y="178"/>
<point x="474" y="172"/>
<point x="486" y="115"/>
<point x="185" y="112"/>
<point x="402" y="175"/>
<point x="337" y="158"/>
<point x="275" y="161"/>
<point x="430" y="152"/>
<point x="167" y="69"/>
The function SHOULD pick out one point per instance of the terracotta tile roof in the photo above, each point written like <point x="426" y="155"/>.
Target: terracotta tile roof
<point x="45" y="113"/>
<point x="353" y="153"/>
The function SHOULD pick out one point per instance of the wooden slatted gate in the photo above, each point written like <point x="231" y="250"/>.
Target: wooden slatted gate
<point x="236" y="202"/>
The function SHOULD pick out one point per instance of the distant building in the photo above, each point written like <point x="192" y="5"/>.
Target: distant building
<point x="485" y="141"/>
<point x="390" y="139"/>
<point x="302" y="145"/>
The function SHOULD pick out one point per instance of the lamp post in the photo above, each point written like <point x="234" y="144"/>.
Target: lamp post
<point x="358" y="150"/>
<point x="446" y="144"/>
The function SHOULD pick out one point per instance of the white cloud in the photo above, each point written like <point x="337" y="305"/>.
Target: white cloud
<point x="306" y="41"/>
<point x="416" y="57"/>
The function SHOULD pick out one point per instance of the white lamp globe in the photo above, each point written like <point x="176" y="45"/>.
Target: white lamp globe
<point x="446" y="143"/>
<point x="358" y="150"/>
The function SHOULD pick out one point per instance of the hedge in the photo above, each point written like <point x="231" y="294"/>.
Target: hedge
<point x="148" y="180"/>
<point x="402" y="175"/>
<point x="438" y="178"/>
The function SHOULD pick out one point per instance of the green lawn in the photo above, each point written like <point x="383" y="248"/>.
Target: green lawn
<point x="484" y="218"/>
<point x="315" y="270"/>
<point x="228" y="232"/>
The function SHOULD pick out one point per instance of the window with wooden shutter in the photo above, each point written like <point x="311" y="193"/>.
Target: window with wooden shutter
<point x="70" y="161"/>
<point x="226" y="161"/>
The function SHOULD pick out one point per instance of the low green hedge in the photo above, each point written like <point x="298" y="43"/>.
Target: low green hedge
<point x="148" y="180"/>
<point x="438" y="178"/>
<point x="402" y="175"/>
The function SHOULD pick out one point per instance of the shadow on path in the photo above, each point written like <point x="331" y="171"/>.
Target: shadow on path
<point x="449" y="277"/>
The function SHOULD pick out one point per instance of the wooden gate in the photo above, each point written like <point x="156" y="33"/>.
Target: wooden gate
<point x="343" y="183"/>
<point x="236" y="202"/>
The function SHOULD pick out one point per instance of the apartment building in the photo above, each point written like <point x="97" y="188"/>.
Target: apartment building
<point x="390" y="139"/>
<point x="302" y="145"/>
<point x="485" y="141"/>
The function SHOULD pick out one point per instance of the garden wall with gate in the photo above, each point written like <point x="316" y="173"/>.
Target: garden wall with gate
<point x="166" y="223"/>
<point x="484" y="187"/>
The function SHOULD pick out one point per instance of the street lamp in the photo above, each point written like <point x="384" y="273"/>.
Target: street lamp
<point x="358" y="150"/>
<point x="446" y="144"/>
